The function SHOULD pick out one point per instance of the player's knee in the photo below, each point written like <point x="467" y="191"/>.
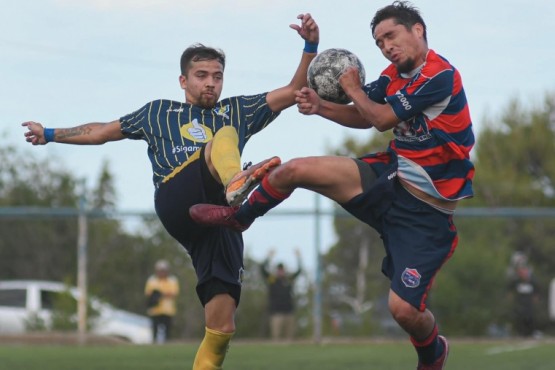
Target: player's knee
<point x="223" y="327"/>
<point x="220" y="313"/>
<point x="226" y="130"/>
<point x="221" y="324"/>
<point x="291" y="172"/>
<point x="403" y="312"/>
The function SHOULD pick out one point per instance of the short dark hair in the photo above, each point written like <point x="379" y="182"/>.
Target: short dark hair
<point x="402" y="12"/>
<point x="198" y="52"/>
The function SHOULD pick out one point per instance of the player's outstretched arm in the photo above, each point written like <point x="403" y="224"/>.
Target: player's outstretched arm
<point x="380" y="116"/>
<point x="88" y="134"/>
<point x="284" y="97"/>
<point x="308" y="103"/>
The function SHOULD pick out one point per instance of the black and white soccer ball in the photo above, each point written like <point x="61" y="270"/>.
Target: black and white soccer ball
<point x="326" y="68"/>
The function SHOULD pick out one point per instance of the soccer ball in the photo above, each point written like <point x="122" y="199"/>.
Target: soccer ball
<point x="325" y="69"/>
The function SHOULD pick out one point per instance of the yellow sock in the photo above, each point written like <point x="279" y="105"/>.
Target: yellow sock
<point x="212" y="350"/>
<point x="225" y="153"/>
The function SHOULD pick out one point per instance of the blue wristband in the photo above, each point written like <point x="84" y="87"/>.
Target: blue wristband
<point x="310" y="47"/>
<point x="48" y="134"/>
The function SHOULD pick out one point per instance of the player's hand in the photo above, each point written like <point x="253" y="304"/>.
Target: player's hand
<point x="35" y="133"/>
<point x="308" y="29"/>
<point x="350" y="80"/>
<point x="308" y="102"/>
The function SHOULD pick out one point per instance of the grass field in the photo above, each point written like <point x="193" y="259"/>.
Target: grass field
<point x="389" y="355"/>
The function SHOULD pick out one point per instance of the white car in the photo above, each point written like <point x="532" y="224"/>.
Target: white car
<point x="24" y="301"/>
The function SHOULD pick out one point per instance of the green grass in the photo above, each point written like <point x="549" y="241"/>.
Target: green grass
<point x="390" y="355"/>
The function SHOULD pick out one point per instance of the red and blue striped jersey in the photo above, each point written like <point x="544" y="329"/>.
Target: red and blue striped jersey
<point x="174" y="131"/>
<point x="434" y="138"/>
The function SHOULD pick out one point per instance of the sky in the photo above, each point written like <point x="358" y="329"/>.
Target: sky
<point x="68" y="62"/>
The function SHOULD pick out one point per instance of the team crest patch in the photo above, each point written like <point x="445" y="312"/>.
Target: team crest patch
<point x="222" y="111"/>
<point x="411" y="278"/>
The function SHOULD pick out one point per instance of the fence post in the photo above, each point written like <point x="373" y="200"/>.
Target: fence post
<point x="318" y="273"/>
<point x="82" y="271"/>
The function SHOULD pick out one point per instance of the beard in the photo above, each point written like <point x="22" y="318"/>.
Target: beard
<point x="207" y="103"/>
<point x="406" y="66"/>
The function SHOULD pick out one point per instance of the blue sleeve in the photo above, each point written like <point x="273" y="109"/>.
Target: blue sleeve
<point x="376" y="91"/>
<point x="132" y="124"/>
<point x="420" y="94"/>
<point x="256" y="113"/>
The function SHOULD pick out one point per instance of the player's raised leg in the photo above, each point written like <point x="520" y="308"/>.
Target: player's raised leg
<point x="337" y="178"/>
<point x="223" y="154"/>
<point x="431" y="347"/>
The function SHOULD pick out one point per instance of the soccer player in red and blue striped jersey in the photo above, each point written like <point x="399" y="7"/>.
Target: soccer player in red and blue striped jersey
<point x="408" y="193"/>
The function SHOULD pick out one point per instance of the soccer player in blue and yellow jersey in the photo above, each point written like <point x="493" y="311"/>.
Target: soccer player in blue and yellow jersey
<point x="194" y="148"/>
<point x="409" y="193"/>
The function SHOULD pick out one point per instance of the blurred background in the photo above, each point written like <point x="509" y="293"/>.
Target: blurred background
<point x="83" y="216"/>
<point x="50" y="220"/>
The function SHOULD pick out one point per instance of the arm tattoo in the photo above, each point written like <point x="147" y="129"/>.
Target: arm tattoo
<point x="75" y="131"/>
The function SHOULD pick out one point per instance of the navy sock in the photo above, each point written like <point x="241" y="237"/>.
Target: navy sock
<point x="429" y="349"/>
<point x="263" y="198"/>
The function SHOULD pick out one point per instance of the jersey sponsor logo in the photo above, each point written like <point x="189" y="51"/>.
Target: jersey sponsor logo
<point x="222" y="111"/>
<point x="185" y="148"/>
<point x="176" y="110"/>
<point x="404" y="101"/>
<point x="411" y="278"/>
<point x="194" y="131"/>
<point x="411" y="131"/>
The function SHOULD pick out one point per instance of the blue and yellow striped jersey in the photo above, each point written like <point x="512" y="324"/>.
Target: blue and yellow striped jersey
<point x="174" y="131"/>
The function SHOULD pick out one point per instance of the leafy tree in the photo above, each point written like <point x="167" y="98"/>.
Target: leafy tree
<point x="39" y="247"/>
<point x="514" y="168"/>
<point x="514" y="158"/>
<point x="104" y="196"/>
<point x="43" y="245"/>
<point x="64" y="311"/>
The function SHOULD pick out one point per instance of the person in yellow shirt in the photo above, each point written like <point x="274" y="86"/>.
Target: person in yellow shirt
<point x="161" y="291"/>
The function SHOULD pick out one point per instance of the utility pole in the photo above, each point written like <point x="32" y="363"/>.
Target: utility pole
<point x="318" y="277"/>
<point x="82" y="237"/>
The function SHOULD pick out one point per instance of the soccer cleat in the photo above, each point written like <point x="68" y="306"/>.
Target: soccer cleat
<point x="244" y="181"/>
<point x="439" y="364"/>
<point x="213" y="215"/>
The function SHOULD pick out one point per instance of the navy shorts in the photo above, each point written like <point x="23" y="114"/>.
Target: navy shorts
<point x="209" y="289"/>
<point x="418" y="239"/>
<point x="216" y="252"/>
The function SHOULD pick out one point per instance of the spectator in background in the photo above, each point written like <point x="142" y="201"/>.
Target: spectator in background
<point x="281" y="302"/>
<point x="523" y="291"/>
<point x="161" y="291"/>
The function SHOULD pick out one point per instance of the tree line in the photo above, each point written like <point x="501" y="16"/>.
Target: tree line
<point x="515" y="167"/>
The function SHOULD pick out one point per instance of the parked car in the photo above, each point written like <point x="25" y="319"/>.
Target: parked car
<point x="26" y="301"/>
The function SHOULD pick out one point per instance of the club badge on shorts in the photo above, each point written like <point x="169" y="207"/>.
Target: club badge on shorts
<point x="411" y="278"/>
